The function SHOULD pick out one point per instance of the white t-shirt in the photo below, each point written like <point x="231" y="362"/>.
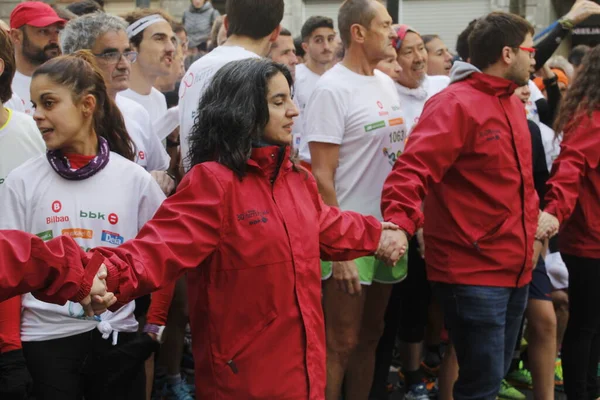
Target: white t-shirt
<point x="551" y="144"/>
<point x="194" y="84"/>
<point x="104" y="210"/>
<point x="530" y="106"/>
<point x="20" y="86"/>
<point x="412" y="101"/>
<point x="20" y="140"/>
<point x="361" y="114"/>
<point x="150" y="153"/>
<point x="305" y="83"/>
<point x="15" y="103"/>
<point x="154" y="103"/>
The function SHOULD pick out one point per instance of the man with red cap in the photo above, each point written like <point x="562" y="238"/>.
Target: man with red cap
<point x="34" y="28"/>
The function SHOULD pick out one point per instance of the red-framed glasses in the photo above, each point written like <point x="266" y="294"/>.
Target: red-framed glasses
<point x="530" y="50"/>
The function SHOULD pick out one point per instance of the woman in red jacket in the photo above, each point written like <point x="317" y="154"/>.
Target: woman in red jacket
<point x="573" y="200"/>
<point x="248" y="226"/>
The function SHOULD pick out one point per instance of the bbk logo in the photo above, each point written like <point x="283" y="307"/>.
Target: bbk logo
<point x="92" y="215"/>
<point x="56" y="206"/>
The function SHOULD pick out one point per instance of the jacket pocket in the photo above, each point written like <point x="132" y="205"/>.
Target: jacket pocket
<point x="243" y="342"/>
<point x="488" y="234"/>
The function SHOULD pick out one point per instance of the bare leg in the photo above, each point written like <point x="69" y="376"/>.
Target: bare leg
<point x="560" y="298"/>
<point x="448" y="374"/>
<point x="343" y="314"/>
<point x="542" y="345"/>
<point x="359" y="375"/>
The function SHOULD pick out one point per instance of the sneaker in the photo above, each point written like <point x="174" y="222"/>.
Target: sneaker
<point x="180" y="391"/>
<point x="433" y="389"/>
<point x="417" y="392"/>
<point x="520" y="377"/>
<point x="508" y="392"/>
<point x="558" y="376"/>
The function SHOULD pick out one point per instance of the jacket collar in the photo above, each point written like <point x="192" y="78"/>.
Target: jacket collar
<point x="492" y="85"/>
<point x="270" y="159"/>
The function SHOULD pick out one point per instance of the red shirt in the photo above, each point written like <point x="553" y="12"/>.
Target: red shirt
<point x="470" y="158"/>
<point x="574" y="188"/>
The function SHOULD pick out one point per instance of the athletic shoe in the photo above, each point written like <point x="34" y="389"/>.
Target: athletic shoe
<point x="558" y="376"/>
<point x="508" y="392"/>
<point x="433" y="389"/>
<point x="520" y="377"/>
<point x="417" y="392"/>
<point x="179" y="391"/>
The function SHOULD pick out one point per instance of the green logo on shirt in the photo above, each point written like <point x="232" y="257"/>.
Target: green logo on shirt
<point x="375" y="125"/>
<point x="46" y="235"/>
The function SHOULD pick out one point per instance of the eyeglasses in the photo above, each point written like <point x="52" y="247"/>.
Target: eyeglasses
<point x="530" y="50"/>
<point x="114" y="57"/>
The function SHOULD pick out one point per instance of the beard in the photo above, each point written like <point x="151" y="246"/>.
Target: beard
<point x="36" y="55"/>
<point x="521" y="78"/>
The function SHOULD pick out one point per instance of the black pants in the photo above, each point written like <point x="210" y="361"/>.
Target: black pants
<point x="405" y="317"/>
<point x="581" y="345"/>
<point x="88" y="366"/>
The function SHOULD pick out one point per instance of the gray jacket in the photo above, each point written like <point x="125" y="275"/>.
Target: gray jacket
<point x="198" y="23"/>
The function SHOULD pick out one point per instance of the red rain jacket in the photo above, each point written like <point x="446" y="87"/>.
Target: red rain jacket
<point x="251" y="251"/>
<point x="470" y="154"/>
<point x="573" y="194"/>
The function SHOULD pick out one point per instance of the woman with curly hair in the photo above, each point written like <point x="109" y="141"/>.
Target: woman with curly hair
<point x="573" y="202"/>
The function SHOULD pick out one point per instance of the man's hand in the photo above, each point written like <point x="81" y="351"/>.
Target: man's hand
<point x="99" y="299"/>
<point x="166" y="183"/>
<point x="346" y="276"/>
<point x="582" y="10"/>
<point x="392" y="245"/>
<point x="547" y="226"/>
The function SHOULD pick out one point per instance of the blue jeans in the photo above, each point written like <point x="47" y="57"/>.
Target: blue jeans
<point x="483" y="323"/>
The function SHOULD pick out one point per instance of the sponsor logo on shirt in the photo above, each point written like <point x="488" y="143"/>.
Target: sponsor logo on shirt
<point x="142" y="155"/>
<point x="112" y="238"/>
<point x="374" y="125"/>
<point x="392" y="157"/>
<point x="380" y="105"/>
<point x="112" y="217"/>
<point x="253" y="217"/>
<point x="396" y="121"/>
<point x="56" y="206"/>
<point x="46" y="235"/>
<point x="77" y="233"/>
<point x="489" y="134"/>
<point x="57" y="218"/>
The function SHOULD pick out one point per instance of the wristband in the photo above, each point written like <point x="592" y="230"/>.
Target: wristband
<point x="157" y="330"/>
<point x="551" y="81"/>
<point x="567" y="24"/>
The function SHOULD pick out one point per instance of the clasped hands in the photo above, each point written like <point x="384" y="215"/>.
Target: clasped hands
<point x="392" y="244"/>
<point x="547" y="226"/>
<point x="99" y="299"/>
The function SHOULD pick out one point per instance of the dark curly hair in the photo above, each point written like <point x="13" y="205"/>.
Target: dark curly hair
<point x="583" y="94"/>
<point x="233" y="113"/>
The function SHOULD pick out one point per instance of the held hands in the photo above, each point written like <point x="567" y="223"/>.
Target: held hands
<point x="581" y="10"/>
<point x="99" y="299"/>
<point x="392" y="245"/>
<point x="547" y="226"/>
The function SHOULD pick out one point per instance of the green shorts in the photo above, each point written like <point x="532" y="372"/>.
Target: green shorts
<point x="371" y="269"/>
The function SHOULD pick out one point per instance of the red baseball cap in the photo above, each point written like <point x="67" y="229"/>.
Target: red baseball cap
<point x="34" y="13"/>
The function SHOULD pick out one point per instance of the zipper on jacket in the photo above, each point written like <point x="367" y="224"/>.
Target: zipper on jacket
<point x="280" y="158"/>
<point x="233" y="367"/>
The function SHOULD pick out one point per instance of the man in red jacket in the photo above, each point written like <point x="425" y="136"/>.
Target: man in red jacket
<point x="470" y="154"/>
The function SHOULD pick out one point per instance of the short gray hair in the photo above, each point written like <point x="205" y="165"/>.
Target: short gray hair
<point x="81" y="33"/>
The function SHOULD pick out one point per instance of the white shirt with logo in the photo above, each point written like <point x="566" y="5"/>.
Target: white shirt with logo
<point x="150" y="153"/>
<point x="154" y="103"/>
<point x="195" y="82"/>
<point x="412" y="101"/>
<point x="305" y="83"/>
<point x="104" y="210"/>
<point x="362" y="115"/>
<point x="16" y="103"/>
<point x="21" y="85"/>
<point x="530" y="106"/>
<point x="20" y="140"/>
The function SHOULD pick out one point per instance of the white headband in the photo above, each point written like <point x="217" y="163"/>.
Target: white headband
<point x="142" y="23"/>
